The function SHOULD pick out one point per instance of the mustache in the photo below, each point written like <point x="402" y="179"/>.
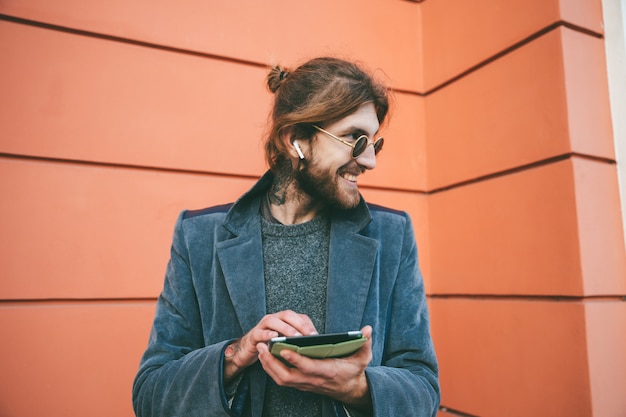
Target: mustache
<point x="351" y="168"/>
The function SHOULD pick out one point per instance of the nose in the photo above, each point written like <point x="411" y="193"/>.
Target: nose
<point x="368" y="158"/>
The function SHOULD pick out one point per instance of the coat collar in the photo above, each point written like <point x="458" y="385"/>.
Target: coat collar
<point x="351" y="262"/>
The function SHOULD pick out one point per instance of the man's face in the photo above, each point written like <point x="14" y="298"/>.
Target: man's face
<point x="328" y="173"/>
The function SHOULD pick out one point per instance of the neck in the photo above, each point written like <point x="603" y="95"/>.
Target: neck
<point x="287" y="203"/>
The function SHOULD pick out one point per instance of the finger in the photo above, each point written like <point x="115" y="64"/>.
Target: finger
<point x="262" y="349"/>
<point x="255" y="336"/>
<point x="277" y="367"/>
<point x="300" y="362"/>
<point x="289" y="323"/>
<point x="367" y="331"/>
<point x="364" y="353"/>
<point x="300" y="322"/>
<point x="274" y="367"/>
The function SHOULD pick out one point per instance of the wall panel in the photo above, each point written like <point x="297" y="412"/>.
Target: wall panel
<point x="586" y="84"/>
<point x="66" y="359"/>
<point x="253" y="31"/>
<point x="602" y="251"/>
<point x="606" y="343"/>
<point x="457" y="34"/>
<point x="96" y="100"/>
<point x="517" y="358"/>
<point x="513" y="234"/>
<point x="558" y="223"/>
<point x="520" y="109"/>
<point x="76" y="231"/>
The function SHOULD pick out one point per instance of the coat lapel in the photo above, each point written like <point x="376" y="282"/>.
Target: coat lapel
<point x="240" y="255"/>
<point x="351" y="266"/>
<point x="241" y="260"/>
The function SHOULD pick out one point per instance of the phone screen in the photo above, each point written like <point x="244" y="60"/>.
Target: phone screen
<point x="320" y="339"/>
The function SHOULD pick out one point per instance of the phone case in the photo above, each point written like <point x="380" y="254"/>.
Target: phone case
<point x="334" y="350"/>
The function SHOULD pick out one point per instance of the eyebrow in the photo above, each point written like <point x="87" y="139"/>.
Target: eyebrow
<point x="355" y="129"/>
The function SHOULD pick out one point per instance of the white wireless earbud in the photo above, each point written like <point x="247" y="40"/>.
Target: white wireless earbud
<point x="295" y="145"/>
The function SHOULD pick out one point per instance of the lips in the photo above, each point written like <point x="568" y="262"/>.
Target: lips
<point x="350" y="177"/>
<point x="350" y="172"/>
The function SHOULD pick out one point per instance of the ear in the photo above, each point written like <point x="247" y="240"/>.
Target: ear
<point x="294" y="150"/>
<point x="298" y="150"/>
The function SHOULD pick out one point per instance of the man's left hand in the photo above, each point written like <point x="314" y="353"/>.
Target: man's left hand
<point x="340" y="378"/>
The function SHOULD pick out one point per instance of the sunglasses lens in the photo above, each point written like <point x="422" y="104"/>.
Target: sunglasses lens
<point x="378" y="145"/>
<point x="359" y="146"/>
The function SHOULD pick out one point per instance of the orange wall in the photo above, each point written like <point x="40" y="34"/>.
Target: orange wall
<point x="117" y="115"/>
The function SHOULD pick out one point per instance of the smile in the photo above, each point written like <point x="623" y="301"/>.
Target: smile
<point x="350" y="177"/>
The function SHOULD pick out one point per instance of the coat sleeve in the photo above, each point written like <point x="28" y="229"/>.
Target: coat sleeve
<point x="178" y="375"/>
<point x="408" y="376"/>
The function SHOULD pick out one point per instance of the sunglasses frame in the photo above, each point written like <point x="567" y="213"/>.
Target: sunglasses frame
<point x="377" y="144"/>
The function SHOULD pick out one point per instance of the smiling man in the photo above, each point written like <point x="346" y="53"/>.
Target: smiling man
<point x="300" y="254"/>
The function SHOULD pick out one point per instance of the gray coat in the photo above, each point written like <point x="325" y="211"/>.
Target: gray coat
<point x="214" y="292"/>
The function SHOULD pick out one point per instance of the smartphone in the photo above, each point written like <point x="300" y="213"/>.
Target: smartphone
<point x="330" y="345"/>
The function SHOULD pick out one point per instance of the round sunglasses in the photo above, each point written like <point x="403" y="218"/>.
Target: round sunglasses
<point x="360" y="145"/>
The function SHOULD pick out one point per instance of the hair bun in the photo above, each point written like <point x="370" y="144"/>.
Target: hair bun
<point x="276" y="77"/>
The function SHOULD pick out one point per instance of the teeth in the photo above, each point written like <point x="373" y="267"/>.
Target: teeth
<point x="350" y="177"/>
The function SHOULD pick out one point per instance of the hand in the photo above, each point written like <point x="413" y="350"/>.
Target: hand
<point x="340" y="378"/>
<point x="243" y="352"/>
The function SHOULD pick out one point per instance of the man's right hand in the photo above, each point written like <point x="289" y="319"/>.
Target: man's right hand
<point x="243" y="352"/>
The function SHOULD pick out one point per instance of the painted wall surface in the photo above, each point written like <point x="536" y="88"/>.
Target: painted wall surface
<point x="115" y="116"/>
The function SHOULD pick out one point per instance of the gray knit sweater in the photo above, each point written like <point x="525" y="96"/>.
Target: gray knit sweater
<point x="295" y="260"/>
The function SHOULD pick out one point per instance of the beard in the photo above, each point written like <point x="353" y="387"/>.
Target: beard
<point x="324" y="185"/>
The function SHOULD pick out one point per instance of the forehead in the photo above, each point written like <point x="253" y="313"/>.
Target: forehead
<point x="364" y="119"/>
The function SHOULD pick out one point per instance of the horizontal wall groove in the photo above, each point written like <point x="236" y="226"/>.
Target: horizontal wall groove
<point x="21" y="302"/>
<point x="145" y="44"/>
<point x="506" y="51"/>
<point x="520" y="168"/>
<point x="479" y="297"/>
<point x="113" y="165"/>
<point x="449" y="187"/>
<point x="529" y="297"/>
<point x="134" y="42"/>
<point x="454" y="412"/>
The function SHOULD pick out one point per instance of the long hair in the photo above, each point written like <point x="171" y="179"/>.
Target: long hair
<point x="318" y="91"/>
